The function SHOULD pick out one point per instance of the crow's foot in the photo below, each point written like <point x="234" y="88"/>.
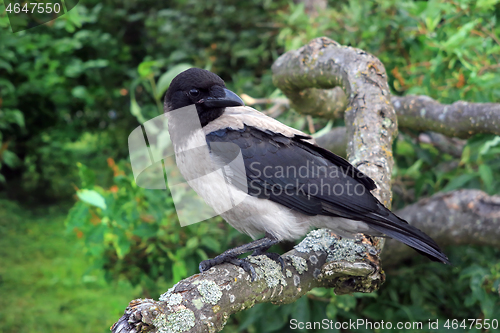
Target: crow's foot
<point x="205" y="265"/>
<point x="247" y="267"/>
<point x="258" y="247"/>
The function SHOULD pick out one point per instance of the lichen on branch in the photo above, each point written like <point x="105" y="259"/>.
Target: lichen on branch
<point x="204" y="302"/>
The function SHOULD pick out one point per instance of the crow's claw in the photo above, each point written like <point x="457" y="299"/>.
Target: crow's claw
<point x="247" y="267"/>
<point x="205" y="265"/>
<point x="258" y="247"/>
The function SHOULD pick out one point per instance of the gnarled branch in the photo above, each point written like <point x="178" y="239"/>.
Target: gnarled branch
<point x="334" y="140"/>
<point x="324" y="64"/>
<point x="204" y="302"/>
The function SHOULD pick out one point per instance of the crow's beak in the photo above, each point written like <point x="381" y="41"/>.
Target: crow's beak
<point x="230" y="99"/>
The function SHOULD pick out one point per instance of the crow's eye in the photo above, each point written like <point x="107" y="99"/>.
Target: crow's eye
<point x="194" y="92"/>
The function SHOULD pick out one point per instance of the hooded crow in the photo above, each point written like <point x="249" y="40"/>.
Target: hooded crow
<point x="287" y="185"/>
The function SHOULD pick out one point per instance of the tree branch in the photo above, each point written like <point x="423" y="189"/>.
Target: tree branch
<point x="322" y="65"/>
<point x="335" y="140"/>
<point x="204" y="302"/>
<point x="420" y="113"/>
<point x="452" y="146"/>
<point x="460" y="119"/>
<point x="454" y="218"/>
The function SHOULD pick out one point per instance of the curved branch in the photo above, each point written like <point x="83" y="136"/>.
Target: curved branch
<point x="454" y="218"/>
<point x="325" y="103"/>
<point x="335" y="140"/>
<point x="324" y="64"/>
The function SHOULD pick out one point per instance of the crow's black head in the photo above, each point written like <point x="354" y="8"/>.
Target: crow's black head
<point x="202" y="88"/>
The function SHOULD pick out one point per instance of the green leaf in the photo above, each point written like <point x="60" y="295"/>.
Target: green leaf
<point x="454" y="42"/>
<point x="192" y="243"/>
<point x="465" y="155"/>
<point x="95" y="240"/>
<point x="414" y="170"/>
<point x="77" y="217"/>
<point x="165" y="79"/>
<point x="92" y="197"/>
<point x="96" y="63"/>
<point x="331" y="310"/>
<point x="8" y="116"/>
<point x="459" y="182"/>
<point x="10" y="159"/>
<point x="87" y="176"/>
<point x="211" y="243"/>
<point x="486" y="175"/>
<point x="179" y="270"/>
<point x="122" y="246"/>
<point x="146" y="230"/>
<point x="486" y="4"/>
<point x="5" y="65"/>
<point x="301" y="310"/>
<point x="135" y="109"/>
<point x="485" y="148"/>
<point x="18" y="117"/>
<point x="145" y="68"/>
<point x="79" y="92"/>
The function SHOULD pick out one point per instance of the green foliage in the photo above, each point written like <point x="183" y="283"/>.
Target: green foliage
<point x="134" y="232"/>
<point x="444" y="49"/>
<point x="147" y="71"/>
<point x="78" y="76"/>
<point x="8" y="118"/>
<point x="423" y="170"/>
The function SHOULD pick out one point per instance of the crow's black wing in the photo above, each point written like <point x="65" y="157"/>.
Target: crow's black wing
<point x="312" y="180"/>
<point x="300" y="175"/>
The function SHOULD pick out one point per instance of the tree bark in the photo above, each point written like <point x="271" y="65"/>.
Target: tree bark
<point x="335" y="140"/>
<point x="455" y="218"/>
<point x="323" y="65"/>
<point x="460" y="119"/>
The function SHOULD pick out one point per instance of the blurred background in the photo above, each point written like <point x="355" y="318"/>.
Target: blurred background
<point x="79" y="239"/>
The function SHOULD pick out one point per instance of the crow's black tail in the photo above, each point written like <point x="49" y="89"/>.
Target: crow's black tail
<point x="388" y="223"/>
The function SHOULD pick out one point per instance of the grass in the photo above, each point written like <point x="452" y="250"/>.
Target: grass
<point x="45" y="285"/>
